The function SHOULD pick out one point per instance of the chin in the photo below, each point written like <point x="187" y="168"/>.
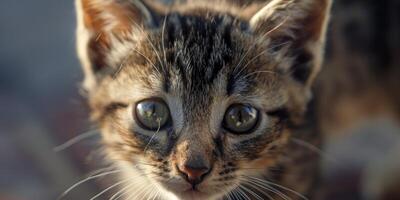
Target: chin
<point x="193" y="195"/>
<point x="180" y="192"/>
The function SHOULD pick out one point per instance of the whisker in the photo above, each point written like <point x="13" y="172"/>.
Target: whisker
<point x="110" y="187"/>
<point x="153" y="136"/>
<point x="260" y="54"/>
<point x="242" y="193"/>
<point x="235" y="194"/>
<point x="258" y="189"/>
<point x="256" y="42"/>
<point x="144" y="163"/>
<point x="121" y="65"/>
<point x="281" y="187"/>
<point x="313" y="148"/>
<point x="127" y="57"/>
<point x="269" y="188"/>
<point x="239" y="194"/>
<point x="152" y="195"/>
<point x="157" y="195"/>
<point x="148" y="194"/>
<point x="150" y="42"/>
<point x="147" y="58"/>
<point x="125" y="190"/>
<point x="162" y="39"/>
<point x="85" y="180"/>
<point x="122" y="192"/>
<point x="98" y="171"/>
<point x="251" y="192"/>
<point x="75" y="140"/>
<point x="253" y="184"/>
<point x="143" y="192"/>
<point x="134" y="49"/>
<point x="117" y="184"/>
<point x="227" y="194"/>
<point x="98" y="37"/>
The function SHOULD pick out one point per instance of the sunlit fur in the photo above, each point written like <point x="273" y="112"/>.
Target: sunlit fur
<point x="200" y="58"/>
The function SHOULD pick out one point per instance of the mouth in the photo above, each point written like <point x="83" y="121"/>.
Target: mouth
<point x="194" y="194"/>
<point x="193" y="190"/>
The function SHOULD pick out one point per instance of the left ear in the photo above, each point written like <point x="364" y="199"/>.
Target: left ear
<point x="302" y="24"/>
<point x="102" y="22"/>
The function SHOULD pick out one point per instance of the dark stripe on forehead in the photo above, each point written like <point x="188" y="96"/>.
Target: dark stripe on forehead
<point x="199" y="47"/>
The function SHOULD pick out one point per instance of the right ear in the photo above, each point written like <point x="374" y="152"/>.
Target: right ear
<point x="301" y="24"/>
<point x="99" y="22"/>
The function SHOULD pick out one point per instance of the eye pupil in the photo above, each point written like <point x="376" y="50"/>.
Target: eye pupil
<point x="152" y="114"/>
<point x="240" y="119"/>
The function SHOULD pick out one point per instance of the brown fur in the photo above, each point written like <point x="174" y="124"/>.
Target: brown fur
<point x="200" y="59"/>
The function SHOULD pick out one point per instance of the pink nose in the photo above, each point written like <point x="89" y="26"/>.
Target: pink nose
<point x="194" y="171"/>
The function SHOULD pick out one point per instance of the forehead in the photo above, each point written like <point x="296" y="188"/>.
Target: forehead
<point x="199" y="56"/>
<point x="201" y="51"/>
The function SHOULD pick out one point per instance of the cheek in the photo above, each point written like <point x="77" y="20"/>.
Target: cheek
<point x="257" y="156"/>
<point x="254" y="145"/>
<point x="251" y="149"/>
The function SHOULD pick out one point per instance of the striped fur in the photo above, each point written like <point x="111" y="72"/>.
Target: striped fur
<point x="201" y="58"/>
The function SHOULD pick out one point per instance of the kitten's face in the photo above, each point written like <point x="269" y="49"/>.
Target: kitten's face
<point x="196" y="106"/>
<point x="202" y="117"/>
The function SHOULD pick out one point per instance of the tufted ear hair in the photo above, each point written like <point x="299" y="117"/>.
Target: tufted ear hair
<point x="300" y="23"/>
<point x="100" y="23"/>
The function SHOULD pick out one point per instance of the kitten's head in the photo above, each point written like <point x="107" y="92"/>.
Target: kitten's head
<point x="193" y="99"/>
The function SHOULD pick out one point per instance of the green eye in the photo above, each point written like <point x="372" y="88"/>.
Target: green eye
<point x="152" y="114"/>
<point x="241" y="119"/>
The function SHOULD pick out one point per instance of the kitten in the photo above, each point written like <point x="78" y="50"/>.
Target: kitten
<point x="205" y="99"/>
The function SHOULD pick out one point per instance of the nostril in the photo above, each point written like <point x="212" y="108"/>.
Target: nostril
<point x="193" y="174"/>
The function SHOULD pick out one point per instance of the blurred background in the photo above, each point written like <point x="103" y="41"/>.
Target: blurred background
<point x="41" y="108"/>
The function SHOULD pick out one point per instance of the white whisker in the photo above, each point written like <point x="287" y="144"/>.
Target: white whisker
<point x="98" y="171"/>
<point x="258" y="189"/>
<point x="126" y="190"/>
<point x="243" y="194"/>
<point x="76" y="139"/>
<point x="250" y="192"/>
<point x="162" y="39"/>
<point x="121" y="192"/>
<point x="227" y="195"/>
<point x="154" y="135"/>
<point x="143" y="193"/>
<point x="255" y="43"/>
<point x="157" y="193"/>
<point x="234" y="193"/>
<point x="148" y="39"/>
<point x="280" y="186"/>
<point x="85" y="180"/>
<point x="127" y="57"/>
<point x="116" y="184"/>
<point x="109" y="188"/>
<point x="268" y="188"/>
<point x="271" y="189"/>
<point x="260" y="54"/>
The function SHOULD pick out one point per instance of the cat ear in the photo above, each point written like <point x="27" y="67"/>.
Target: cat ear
<point x="99" y="23"/>
<point x="302" y="25"/>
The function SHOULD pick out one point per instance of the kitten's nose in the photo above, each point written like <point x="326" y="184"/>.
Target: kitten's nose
<point x="194" y="170"/>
